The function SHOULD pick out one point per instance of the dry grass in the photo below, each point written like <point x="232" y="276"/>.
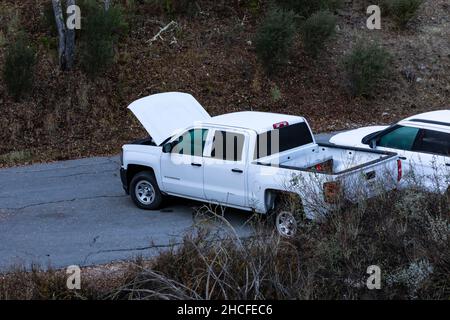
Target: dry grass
<point x="405" y="233"/>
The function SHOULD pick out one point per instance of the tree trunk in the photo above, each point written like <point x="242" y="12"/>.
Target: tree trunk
<point x="61" y="27"/>
<point x="70" y="42"/>
<point x="107" y="4"/>
<point x="66" y="36"/>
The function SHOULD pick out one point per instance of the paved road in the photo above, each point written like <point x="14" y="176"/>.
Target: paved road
<point x="75" y="212"/>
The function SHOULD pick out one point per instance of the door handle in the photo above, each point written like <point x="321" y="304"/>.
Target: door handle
<point x="237" y="170"/>
<point x="447" y="164"/>
<point x="402" y="158"/>
<point x="196" y="164"/>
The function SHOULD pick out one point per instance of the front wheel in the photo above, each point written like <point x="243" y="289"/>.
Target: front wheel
<point x="145" y="192"/>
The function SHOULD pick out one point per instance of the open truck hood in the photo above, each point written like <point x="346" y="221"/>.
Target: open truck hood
<point x="164" y="113"/>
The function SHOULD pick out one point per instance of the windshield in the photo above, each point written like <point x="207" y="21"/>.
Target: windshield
<point x="279" y="140"/>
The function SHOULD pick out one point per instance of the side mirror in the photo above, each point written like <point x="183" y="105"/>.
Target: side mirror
<point x="371" y="139"/>
<point x="167" y="147"/>
<point x="373" y="143"/>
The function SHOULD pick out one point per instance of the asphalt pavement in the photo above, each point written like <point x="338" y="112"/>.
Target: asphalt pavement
<point x="76" y="212"/>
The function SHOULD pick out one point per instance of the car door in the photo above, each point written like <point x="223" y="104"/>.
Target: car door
<point x="433" y="148"/>
<point x="401" y="139"/>
<point x="225" y="177"/>
<point x="182" y="168"/>
<point x="421" y="151"/>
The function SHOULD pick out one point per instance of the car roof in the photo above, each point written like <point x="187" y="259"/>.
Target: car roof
<point x="254" y="120"/>
<point x="435" y="120"/>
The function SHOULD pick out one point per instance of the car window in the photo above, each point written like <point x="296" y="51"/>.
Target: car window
<point x="227" y="146"/>
<point x="433" y="142"/>
<point x="401" y="138"/>
<point x="191" y="143"/>
<point x="279" y="140"/>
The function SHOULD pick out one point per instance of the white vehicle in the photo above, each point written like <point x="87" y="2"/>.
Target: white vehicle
<point x="422" y="142"/>
<point x="243" y="160"/>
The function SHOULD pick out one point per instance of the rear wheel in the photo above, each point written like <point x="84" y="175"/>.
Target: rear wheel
<point x="287" y="214"/>
<point x="145" y="192"/>
<point x="286" y="224"/>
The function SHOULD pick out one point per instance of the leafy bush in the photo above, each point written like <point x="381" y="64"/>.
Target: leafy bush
<point x="18" y="68"/>
<point x="305" y="8"/>
<point x="275" y="92"/>
<point x="402" y="11"/>
<point x="48" y="18"/>
<point x="100" y="30"/>
<point x="275" y="37"/>
<point x="316" y="30"/>
<point x="254" y="6"/>
<point x="365" y="66"/>
<point x="171" y="7"/>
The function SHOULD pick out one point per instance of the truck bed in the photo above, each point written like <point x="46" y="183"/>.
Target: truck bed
<point x="327" y="158"/>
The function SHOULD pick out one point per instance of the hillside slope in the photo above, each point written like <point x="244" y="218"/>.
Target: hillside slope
<point x="210" y="55"/>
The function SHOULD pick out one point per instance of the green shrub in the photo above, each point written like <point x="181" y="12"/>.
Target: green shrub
<point x="254" y="6"/>
<point x="100" y="30"/>
<point x="365" y="66"/>
<point x="275" y="92"/>
<point x="172" y="7"/>
<point x="402" y="11"/>
<point x="305" y="8"/>
<point x="275" y="37"/>
<point x="48" y="18"/>
<point x="316" y="30"/>
<point x="18" y="68"/>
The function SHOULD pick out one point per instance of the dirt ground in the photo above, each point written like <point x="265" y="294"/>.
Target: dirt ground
<point x="210" y="55"/>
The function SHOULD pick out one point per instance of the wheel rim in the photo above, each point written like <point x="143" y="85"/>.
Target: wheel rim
<point x="286" y="224"/>
<point x="145" y="192"/>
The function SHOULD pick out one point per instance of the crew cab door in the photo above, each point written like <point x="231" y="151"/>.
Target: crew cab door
<point x="182" y="168"/>
<point x="422" y="152"/>
<point x="401" y="140"/>
<point x="434" y="147"/>
<point x="225" y="176"/>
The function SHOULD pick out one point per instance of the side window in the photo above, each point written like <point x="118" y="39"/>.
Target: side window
<point x="400" y="138"/>
<point x="191" y="143"/>
<point x="227" y="146"/>
<point x="433" y="142"/>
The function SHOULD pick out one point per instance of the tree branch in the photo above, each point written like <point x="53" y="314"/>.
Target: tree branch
<point x="162" y="30"/>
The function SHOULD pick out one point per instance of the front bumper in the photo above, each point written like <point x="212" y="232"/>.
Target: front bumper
<point x="123" y="177"/>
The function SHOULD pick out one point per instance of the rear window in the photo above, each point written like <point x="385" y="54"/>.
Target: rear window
<point x="279" y="140"/>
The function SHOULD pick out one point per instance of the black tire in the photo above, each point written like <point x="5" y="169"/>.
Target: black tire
<point x="288" y="209"/>
<point x="144" y="186"/>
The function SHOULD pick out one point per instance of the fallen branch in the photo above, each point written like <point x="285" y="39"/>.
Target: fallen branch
<point x="162" y="30"/>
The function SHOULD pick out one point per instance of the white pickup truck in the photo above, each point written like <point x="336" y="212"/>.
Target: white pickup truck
<point x="245" y="160"/>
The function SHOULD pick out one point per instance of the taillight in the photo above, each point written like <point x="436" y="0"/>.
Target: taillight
<point x="399" y="170"/>
<point x="280" y="124"/>
<point x="332" y="191"/>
